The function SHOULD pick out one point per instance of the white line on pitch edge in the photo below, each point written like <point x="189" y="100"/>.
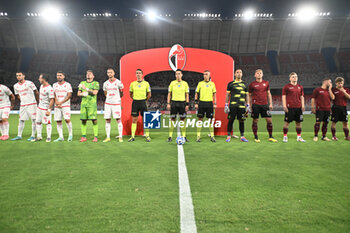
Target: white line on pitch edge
<point x="187" y="220"/>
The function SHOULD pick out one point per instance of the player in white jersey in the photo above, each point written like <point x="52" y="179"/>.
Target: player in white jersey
<point x="43" y="112"/>
<point x="113" y="89"/>
<point x="5" y="107"/>
<point x="63" y="93"/>
<point x="28" y="95"/>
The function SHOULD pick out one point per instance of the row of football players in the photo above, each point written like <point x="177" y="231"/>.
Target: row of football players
<point x="257" y="99"/>
<point x="240" y="99"/>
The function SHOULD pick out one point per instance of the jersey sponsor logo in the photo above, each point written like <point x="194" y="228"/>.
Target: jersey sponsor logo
<point x="177" y="57"/>
<point x="152" y="120"/>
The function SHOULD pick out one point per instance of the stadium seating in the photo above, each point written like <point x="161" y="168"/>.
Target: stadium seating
<point x="344" y="61"/>
<point x="9" y="60"/>
<point x="250" y="63"/>
<point x="302" y="63"/>
<point x="50" y="62"/>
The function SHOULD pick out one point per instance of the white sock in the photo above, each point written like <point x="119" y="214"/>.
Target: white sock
<point x="39" y="129"/>
<point x="33" y="128"/>
<point x="120" y="128"/>
<point x="48" y="130"/>
<point x="70" y="129"/>
<point x="6" y="128"/>
<point x="2" y="129"/>
<point x="108" y="130"/>
<point x="60" y="130"/>
<point x="20" y="128"/>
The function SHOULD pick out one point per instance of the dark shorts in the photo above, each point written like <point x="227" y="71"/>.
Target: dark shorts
<point x="262" y="110"/>
<point x="236" y="112"/>
<point x="339" y="113"/>
<point x="205" y="109"/>
<point x="138" y="107"/>
<point x="178" y="107"/>
<point x="293" y="114"/>
<point x="322" y="116"/>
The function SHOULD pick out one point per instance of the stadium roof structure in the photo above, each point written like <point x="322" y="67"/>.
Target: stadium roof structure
<point x="116" y="35"/>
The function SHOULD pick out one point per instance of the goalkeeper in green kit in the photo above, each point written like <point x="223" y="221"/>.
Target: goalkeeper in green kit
<point x="88" y="109"/>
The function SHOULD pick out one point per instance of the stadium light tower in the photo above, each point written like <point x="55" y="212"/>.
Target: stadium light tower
<point x="151" y="15"/>
<point x="306" y="14"/>
<point x="248" y="14"/>
<point x="51" y="14"/>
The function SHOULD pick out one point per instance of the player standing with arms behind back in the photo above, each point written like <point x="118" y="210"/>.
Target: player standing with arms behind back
<point x="261" y="104"/>
<point x="321" y="106"/>
<point x="28" y="95"/>
<point x="339" y="112"/>
<point x="113" y="90"/>
<point x="293" y="105"/>
<point x="63" y="93"/>
<point x="88" y="90"/>
<point x="5" y="108"/>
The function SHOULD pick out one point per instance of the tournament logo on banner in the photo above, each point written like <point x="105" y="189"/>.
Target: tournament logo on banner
<point x="177" y="57"/>
<point x="152" y="120"/>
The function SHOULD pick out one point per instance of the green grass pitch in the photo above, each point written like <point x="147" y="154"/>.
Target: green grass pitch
<point x="133" y="187"/>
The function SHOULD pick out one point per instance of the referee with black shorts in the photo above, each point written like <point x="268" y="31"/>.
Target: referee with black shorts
<point x="206" y="91"/>
<point x="140" y="92"/>
<point x="177" y="103"/>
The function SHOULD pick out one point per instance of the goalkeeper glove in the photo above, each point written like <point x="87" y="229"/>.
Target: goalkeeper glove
<point x="227" y="109"/>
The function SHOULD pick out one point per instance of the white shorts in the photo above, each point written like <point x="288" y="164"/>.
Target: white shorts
<point x="4" y="112"/>
<point x="41" y="116"/>
<point x="114" y="110"/>
<point x="63" y="112"/>
<point x="27" y="112"/>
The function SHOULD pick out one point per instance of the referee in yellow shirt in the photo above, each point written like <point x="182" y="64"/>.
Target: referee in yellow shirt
<point x="140" y="92"/>
<point x="177" y="103"/>
<point x="207" y="94"/>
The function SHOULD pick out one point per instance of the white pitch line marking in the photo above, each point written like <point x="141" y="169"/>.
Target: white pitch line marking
<point x="187" y="219"/>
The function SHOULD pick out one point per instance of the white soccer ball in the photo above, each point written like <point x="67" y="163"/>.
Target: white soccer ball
<point x="180" y="140"/>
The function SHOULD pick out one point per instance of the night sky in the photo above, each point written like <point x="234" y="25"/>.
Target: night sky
<point x="126" y="8"/>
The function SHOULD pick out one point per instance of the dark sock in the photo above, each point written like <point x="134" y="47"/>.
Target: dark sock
<point x="346" y="132"/>
<point x="333" y="132"/>
<point x="298" y="131"/>
<point x="269" y="129"/>
<point x="241" y="128"/>
<point x="324" y="129"/>
<point x="316" y="129"/>
<point x="255" y="130"/>
<point x="285" y="131"/>
<point x="229" y="127"/>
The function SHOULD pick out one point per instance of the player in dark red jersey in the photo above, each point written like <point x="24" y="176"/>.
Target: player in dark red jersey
<point x="321" y="106"/>
<point x="339" y="112"/>
<point x="260" y="104"/>
<point x="293" y="106"/>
